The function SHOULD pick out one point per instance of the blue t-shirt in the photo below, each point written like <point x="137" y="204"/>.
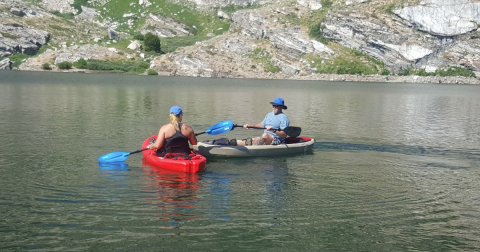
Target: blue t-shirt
<point x="279" y="121"/>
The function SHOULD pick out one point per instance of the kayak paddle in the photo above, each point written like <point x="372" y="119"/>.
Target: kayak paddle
<point x="116" y="156"/>
<point x="291" y="131"/>
<point x="218" y="128"/>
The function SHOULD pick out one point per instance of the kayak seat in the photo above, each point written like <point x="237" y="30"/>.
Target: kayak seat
<point x="291" y="140"/>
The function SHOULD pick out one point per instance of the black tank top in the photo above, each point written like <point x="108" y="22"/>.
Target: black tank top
<point x="178" y="143"/>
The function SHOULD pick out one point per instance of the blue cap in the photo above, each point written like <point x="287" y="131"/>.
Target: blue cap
<point x="176" y="110"/>
<point x="279" y="102"/>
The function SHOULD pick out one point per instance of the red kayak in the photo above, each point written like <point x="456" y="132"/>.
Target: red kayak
<point x="191" y="163"/>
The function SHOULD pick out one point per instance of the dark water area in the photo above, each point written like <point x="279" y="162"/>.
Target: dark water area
<point x="395" y="167"/>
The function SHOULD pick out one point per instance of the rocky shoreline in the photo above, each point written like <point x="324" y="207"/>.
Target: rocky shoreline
<point x="460" y="80"/>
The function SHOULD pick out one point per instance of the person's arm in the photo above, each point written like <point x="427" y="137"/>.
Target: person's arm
<point x="190" y="134"/>
<point x="246" y="126"/>
<point x="280" y="133"/>
<point x="160" y="140"/>
<point x="283" y="124"/>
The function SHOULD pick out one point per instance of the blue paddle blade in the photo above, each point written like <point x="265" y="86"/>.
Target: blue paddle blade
<point x="113" y="157"/>
<point x="220" y="128"/>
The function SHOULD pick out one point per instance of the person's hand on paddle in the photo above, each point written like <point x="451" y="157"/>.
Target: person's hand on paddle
<point x="269" y="128"/>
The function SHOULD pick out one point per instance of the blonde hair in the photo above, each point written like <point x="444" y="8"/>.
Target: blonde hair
<point x="174" y="121"/>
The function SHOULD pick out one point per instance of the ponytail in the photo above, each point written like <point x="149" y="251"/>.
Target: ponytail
<point x="174" y="121"/>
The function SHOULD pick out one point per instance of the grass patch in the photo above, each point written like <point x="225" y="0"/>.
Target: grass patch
<point x="316" y="18"/>
<point x="10" y="36"/>
<point x="230" y="9"/>
<point x="17" y="58"/>
<point x="128" y="67"/>
<point x="171" y="44"/>
<point x="58" y="27"/>
<point x="77" y="5"/>
<point x="68" y="15"/>
<point x="204" y="21"/>
<point x="347" y="61"/>
<point x="451" y="71"/>
<point x="261" y="55"/>
<point x="389" y="9"/>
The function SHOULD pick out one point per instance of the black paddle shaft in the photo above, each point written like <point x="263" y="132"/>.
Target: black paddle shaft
<point x="291" y="131"/>
<point x="138" y="151"/>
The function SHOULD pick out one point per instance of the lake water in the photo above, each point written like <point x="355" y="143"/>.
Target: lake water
<point x="395" y="166"/>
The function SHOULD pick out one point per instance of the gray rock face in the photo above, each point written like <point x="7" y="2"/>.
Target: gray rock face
<point x="217" y="3"/>
<point x="21" y="40"/>
<point x="395" y="44"/>
<point x="443" y="17"/>
<point x="164" y="27"/>
<point x="291" y="42"/>
<point x="87" y="14"/>
<point x="112" y="35"/>
<point x="5" y="64"/>
<point x="62" y="6"/>
<point x="238" y="45"/>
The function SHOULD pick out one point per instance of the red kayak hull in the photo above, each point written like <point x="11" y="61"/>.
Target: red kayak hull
<point x="194" y="164"/>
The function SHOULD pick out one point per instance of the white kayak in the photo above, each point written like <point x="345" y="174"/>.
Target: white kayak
<point x="292" y="146"/>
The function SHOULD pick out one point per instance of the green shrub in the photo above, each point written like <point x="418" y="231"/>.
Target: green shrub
<point x="316" y="33"/>
<point x="456" y="71"/>
<point x="270" y="67"/>
<point x="451" y="71"/>
<point x="130" y="67"/>
<point x="81" y="63"/>
<point x="65" y="65"/>
<point x="139" y="36"/>
<point x="46" y="66"/>
<point x="151" y="42"/>
<point x="385" y="72"/>
<point x="152" y="72"/>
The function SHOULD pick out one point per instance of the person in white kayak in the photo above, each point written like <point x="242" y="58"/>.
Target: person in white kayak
<point x="274" y="123"/>
<point x="174" y="136"/>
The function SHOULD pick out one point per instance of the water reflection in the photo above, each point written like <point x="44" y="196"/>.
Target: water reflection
<point x="220" y="197"/>
<point x="174" y="193"/>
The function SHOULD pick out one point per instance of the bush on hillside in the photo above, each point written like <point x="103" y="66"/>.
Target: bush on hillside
<point x="81" y="63"/>
<point x="152" y="72"/>
<point x="139" y="37"/>
<point x="151" y="43"/>
<point x="46" y="66"/>
<point x="64" y="65"/>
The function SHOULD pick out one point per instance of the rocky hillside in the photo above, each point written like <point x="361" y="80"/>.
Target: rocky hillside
<point x="345" y="40"/>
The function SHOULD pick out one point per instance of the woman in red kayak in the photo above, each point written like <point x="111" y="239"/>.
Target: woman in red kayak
<point x="174" y="137"/>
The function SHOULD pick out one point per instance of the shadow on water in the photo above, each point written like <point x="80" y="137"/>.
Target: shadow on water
<point x="465" y="154"/>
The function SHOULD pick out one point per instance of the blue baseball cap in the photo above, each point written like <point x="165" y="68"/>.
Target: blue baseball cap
<point x="279" y="102"/>
<point x="176" y="110"/>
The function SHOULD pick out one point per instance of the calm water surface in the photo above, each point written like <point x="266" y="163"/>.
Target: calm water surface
<point x="395" y="167"/>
